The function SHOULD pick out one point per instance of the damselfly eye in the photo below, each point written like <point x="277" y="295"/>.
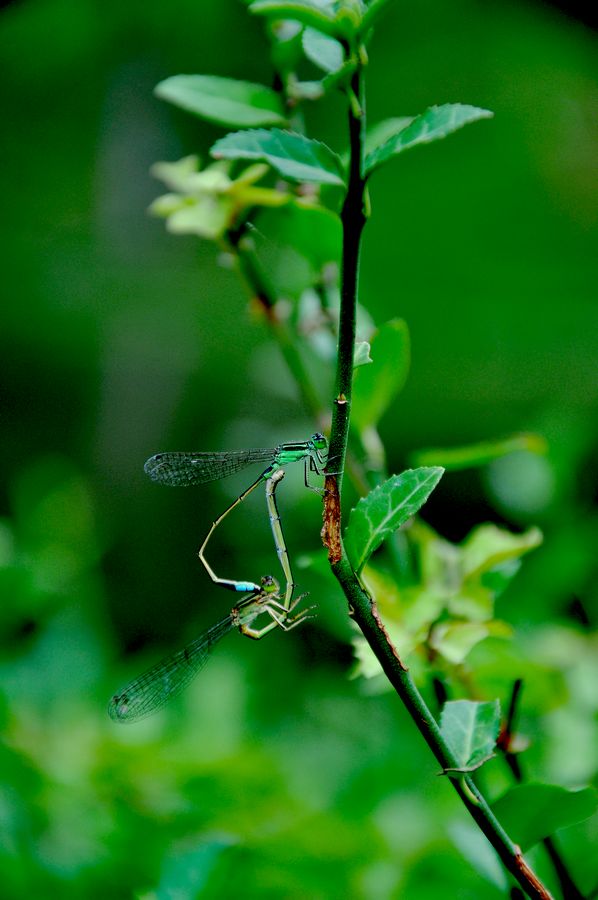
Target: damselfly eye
<point x="319" y="441"/>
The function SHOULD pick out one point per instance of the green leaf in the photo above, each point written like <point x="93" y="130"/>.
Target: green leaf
<point x="471" y="730"/>
<point x="437" y="122"/>
<point x="376" y="387"/>
<point x="294" y="156"/>
<point x="473" y="455"/>
<point x="320" y="16"/>
<point x="323" y="51"/>
<point x="474" y="846"/>
<point x="383" y="131"/>
<point x="361" y="354"/>
<point x="530" y="812"/>
<point x="286" y="49"/>
<point x="207" y="219"/>
<point x="306" y="90"/>
<point x="223" y="100"/>
<point x="186" y="869"/>
<point x="385" y="509"/>
<point x="455" y="640"/>
<point x="294" y="243"/>
<point x="489" y="546"/>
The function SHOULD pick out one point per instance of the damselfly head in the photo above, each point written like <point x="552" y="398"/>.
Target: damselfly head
<point x="318" y="441"/>
<point x="269" y="585"/>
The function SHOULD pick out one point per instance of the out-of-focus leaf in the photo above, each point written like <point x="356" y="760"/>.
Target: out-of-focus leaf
<point x="437" y="122"/>
<point x="318" y="15"/>
<point x="544" y="687"/>
<point x="385" y="509"/>
<point x="407" y="613"/>
<point x="475" y="847"/>
<point x="454" y="640"/>
<point x="286" y="46"/>
<point x="208" y="219"/>
<point x="376" y="387"/>
<point x="499" y="578"/>
<point x="361" y="354"/>
<point x="186" y="869"/>
<point x="292" y="155"/>
<point x="472" y="601"/>
<point x="470" y="729"/>
<point x="323" y="51"/>
<point x="488" y="546"/>
<point x="366" y="663"/>
<point x="225" y="101"/>
<point x="313" y="231"/>
<point x="293" y="244"/>
<point x="473" y="455"/>
<point x="209" y="202"/>
<point x="374" y="10"/>
<point x="530" y="812"/>
<point x="306" y="90"/>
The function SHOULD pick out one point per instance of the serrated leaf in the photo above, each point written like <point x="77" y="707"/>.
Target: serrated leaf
<point x="317" y="15"/>
<point x="480" y="454"/>
<point x="325" y="52"/>
<point x="471" y="730"/>
<point x="376" y="387"/>
<point x="435" y="123"/>
<point x="225" y="101"/>
<point x="361" y="354"/>
<point x="531" y="812"/>
<point x="292" y="155"/>
<point x="385" y="509"/>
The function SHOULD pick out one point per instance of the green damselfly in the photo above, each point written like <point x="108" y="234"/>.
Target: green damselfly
<point x="182" y="469"/>
<point x="166" y="679"/>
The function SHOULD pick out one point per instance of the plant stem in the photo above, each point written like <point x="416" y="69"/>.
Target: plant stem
<point x="366" y="615"/>
<point x="566" y="882"/>
<point x="353" y="219"/>
<point x="361" y="605"/>
<point x="250" y="273"/>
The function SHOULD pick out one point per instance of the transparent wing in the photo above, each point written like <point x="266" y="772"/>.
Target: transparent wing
<point x="184" y="469"/>
<point x="167" y="678"/>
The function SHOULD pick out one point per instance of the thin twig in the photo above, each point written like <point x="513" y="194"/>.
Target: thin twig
<point x="249" y="271"/>
<point x="505" y="743"/>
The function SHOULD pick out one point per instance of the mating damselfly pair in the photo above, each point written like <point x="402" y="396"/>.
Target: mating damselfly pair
<point x="155" y="687"/>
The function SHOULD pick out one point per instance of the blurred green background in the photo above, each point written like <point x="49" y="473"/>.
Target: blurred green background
<point x="275" y="775"/>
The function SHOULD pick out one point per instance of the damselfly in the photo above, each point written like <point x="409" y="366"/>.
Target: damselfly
<point x="185" y="469"/>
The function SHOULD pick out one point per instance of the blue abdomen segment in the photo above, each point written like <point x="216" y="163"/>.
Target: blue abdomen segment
<point x="245" y="587"/>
